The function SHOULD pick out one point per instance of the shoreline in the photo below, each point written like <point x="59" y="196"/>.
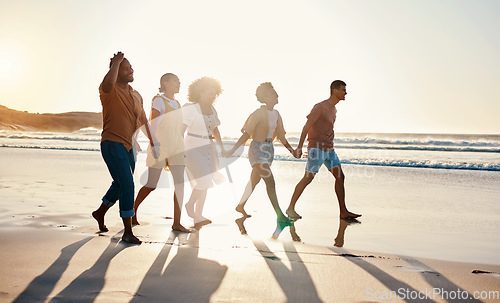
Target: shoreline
<point x="391" y="224"/>
<point x="52" y="251"/>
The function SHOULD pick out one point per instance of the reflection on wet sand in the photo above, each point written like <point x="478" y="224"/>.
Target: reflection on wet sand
<point x="280" y="226"/>
<point x="343" y="223"/>
<point x="293" y="233"/>
<point x="338" y="242"/>
<point x="298" y="273"/>
<point x="239" y="222"/>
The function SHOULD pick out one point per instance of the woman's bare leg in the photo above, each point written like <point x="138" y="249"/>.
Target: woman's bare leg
<point x="153" y="177"/>
<point x="252" y="183"/>
<point x="178" y="176"/>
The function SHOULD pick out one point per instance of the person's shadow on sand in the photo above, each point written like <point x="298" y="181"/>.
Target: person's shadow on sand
<point x="87" y="286"/>
<point x="296" y="283"/>
<point x="40" y="288"/>
<point x="187" y="277"/>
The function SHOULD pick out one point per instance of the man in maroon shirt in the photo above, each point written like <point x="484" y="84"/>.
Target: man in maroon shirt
<point x="320" y="150"/>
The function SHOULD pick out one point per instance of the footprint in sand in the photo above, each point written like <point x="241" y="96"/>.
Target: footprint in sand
<point x="418" y="269"/>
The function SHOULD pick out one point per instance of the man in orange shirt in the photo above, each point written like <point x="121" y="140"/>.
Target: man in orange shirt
<point x="320" y="150"/>
<point x="122" y="114"/>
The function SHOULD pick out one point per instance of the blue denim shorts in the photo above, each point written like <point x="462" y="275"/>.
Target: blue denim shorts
<point x="261" y="153"/>
<point x="317" y="157"/>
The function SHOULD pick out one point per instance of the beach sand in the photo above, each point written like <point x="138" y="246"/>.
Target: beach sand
<point x="51" y="250"/>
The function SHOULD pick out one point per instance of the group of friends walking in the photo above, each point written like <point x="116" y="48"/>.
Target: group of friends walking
<point x="181" y="140"/>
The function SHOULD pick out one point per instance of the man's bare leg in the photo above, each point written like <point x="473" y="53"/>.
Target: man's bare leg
<point x="99" y="216"/>
<point x="254" y="180"/>
<point x="141" y="195"/>
<point x="308" y="177"/>
<point x="128" y="235"/>
<point x="340" y="192"/>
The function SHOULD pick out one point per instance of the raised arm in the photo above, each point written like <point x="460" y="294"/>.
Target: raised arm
<point x="109" y="80"/>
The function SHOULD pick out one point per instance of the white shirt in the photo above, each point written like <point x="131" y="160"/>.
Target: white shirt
<point x="273" y="122"/>
<point x="198" y="124"/>
<point x="159" y="104"/>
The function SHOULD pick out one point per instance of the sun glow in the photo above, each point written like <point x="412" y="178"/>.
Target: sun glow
<point x="10" y="66"/>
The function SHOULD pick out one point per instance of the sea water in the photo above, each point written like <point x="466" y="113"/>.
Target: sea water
<point x="443" y="151"/>
<point x="428" y="195"/>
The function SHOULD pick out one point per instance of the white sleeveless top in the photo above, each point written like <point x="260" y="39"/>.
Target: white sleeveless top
<point x="273" y="122"/>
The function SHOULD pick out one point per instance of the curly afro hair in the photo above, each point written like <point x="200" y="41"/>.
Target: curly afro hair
<point x="200" y="85"/>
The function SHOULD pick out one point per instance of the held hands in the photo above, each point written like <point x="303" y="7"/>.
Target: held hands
<point x="297" y="153"/>
<point x="155" y="149"/>
<point x="227" y="153"/>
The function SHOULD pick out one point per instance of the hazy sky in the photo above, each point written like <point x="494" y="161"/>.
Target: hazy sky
<point x="410" y="66"/>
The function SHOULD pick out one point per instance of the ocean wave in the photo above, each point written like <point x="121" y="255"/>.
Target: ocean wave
<point x="92" y="131"/>
<point x="49" y="136"/>
<point x="478" y="145"/>
<point x="417" y="142"/>
<point x="425" y="164"/>
<point x="463" y="148"/>
<point x="50" y="147"/>
<point x="354" y="161"/>
<point x="457" y="143"/>
<point x="407" y="163"/>
<point x="423" y="148"/>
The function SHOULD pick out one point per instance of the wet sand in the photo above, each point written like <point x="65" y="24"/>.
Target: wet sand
<point x="52" y="251"/>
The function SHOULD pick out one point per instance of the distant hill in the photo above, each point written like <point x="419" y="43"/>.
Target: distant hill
<point x="65" y="122"/>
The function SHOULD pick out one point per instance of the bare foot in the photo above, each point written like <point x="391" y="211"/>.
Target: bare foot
<point x="294" y="235"/>
<point x="203" y="220"/>
<point x="134" y="221"/>
<point x="293" y="215"/>
<point x="241" y="210"/>
<point x="130" y="238"/>
<point x="198" y="225"/>
<point x="179" y="227"/>
<point x="241" y="227"/>
<point x="100" y="221"/>
<point x="348" y="215"/>
<point x="190" y="210"/>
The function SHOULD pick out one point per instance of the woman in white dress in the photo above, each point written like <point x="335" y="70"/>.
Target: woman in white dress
<point x="166" y="120"/>
<point x="202" y="163"/>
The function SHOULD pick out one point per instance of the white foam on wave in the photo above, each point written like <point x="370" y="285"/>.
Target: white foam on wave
<point x="474" y="152"/>
<point x="418" y="142"/>
<point x="405" y="163"/>
<point x="84" y="136"/>
<point x="50" y="147"/>
<point x="88" y="131"/>
<point x="426" y="148"/>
